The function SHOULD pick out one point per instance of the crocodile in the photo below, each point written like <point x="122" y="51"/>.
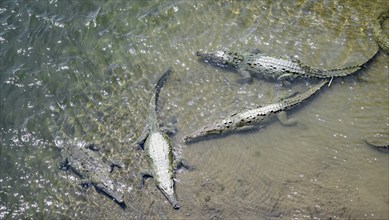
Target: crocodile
<point x="88" y="163"/>
<point x="383" y="147"/>
<point x="159" y="149"/>
<point x="381" y="38"/>
<point x="250" y="117"/>
<point x="269" y="67"/>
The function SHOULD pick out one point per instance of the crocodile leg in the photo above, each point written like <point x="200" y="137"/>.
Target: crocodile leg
<point x="141" y="140"/>
<point x="284" y="76"/>
<point x="116" y="161"/>
<point x="169" y="130"/>
<point x="64" y="165"/>
<point x="93" y="147"/>
<point x="178" y="164"/>
<point x="255" y="51"/>
<point x="144" y="175"/>
<point x="245" y="76"/>
<point x="169" y="126"/>
<point x="283" y="118"/>
<point x="113" y="165"/>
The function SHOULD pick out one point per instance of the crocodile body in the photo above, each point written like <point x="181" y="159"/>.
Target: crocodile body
<point x="381" y="38"/>
<point x="383" y="147"/>
<point x="87" y="163"/>
<point x="159" y="149"/>
<point x="250" y="117"/>
<point x="271" y="68"/>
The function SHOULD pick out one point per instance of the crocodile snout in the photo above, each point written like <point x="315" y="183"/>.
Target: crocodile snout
<point x="176" y="206"/>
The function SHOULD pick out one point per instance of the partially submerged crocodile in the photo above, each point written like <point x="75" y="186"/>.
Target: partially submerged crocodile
<point x="159" y="149"/>
<point x="381" y="38"/>
<point x="87" y="163"/>
<point x="271" y="68"/>
<point x="383" y="147"/>
<point x="251" y="117"/>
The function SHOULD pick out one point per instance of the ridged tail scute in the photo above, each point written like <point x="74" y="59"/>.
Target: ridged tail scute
<point x="305" y="95"/>
<point x="157" y="90"/>
<point x="335" y="72"/>
<point x="289" y="103"/>
<point x="160" y="84"/>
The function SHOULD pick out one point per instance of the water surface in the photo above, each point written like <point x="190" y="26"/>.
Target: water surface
<point x="85" y="70"/>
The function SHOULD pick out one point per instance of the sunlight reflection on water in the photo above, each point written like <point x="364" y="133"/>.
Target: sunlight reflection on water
<point x="85" y="70"/>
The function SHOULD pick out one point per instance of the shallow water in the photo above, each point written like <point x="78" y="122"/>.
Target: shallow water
<point x="85" y="70"/>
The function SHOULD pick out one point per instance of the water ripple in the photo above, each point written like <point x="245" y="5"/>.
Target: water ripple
<point x="85" y="70"/>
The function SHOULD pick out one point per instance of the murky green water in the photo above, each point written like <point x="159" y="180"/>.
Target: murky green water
<point x="85" y="70"/>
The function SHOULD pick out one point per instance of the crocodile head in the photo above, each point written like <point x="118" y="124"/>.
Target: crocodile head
<point x="167" y="189"/>
<point x="108" y="188"/>
<point x="222" y="58"/>
<point x="214" y="128"/>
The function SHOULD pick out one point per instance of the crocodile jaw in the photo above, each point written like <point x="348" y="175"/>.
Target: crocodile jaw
<point x="216" y="128"/>
<point x="169" y="193"/>
<point x="109" y="189"/>
<point x="218" y="58"/>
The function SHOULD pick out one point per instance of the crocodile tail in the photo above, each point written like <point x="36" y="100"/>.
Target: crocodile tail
<point x="290" y="102"/>
<point x="336" y="72"/>
<point x="159" y="85"/>
<point x="157" y="90"/>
